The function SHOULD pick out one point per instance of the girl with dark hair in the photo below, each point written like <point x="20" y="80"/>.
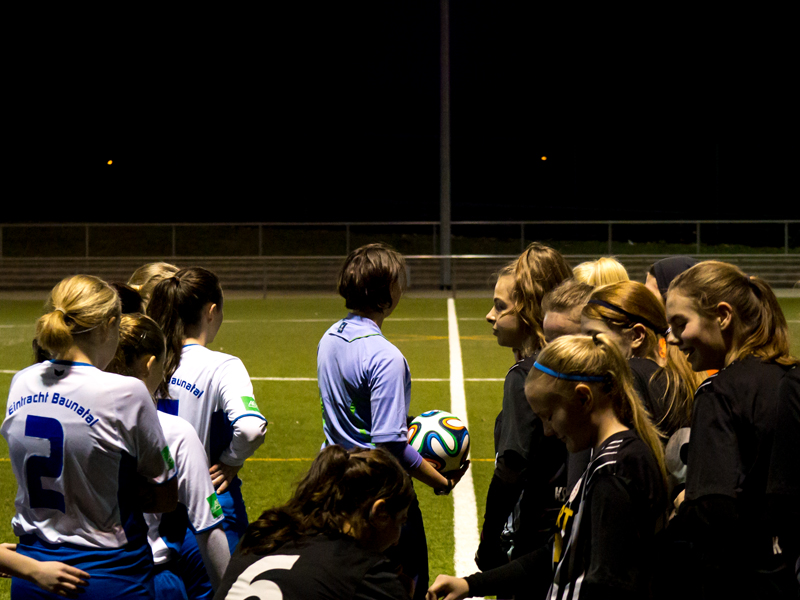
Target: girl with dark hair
<point x="190" y="549"/>
<point x="581" y="389"/>
<point x="328" y="540"/>
<point x="87" y="450"/>
<point x="211" y="390"/>
<point x="365" y="387"/>
<point x="723" y="319"/>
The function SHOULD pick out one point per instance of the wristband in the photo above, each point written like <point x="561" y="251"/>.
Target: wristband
<point x="441" y="492"/>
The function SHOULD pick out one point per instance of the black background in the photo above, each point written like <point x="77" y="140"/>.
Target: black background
<point x="330" y="112"/>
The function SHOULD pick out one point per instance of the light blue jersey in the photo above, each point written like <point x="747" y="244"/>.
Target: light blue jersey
<point x="364" y="385"/>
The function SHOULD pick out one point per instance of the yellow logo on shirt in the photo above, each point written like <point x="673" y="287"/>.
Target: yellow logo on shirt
<point x="562" y="521"/>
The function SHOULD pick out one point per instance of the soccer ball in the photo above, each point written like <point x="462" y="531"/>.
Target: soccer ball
<point x="441" y="438"/>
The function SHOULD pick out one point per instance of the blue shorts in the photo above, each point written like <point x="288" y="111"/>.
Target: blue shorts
<point x="233" y="508"/>
<point x="191" y="569"/>
<point x="115" y="572"/>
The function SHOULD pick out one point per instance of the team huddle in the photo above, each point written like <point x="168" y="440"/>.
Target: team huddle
<point x="648" y="444"/>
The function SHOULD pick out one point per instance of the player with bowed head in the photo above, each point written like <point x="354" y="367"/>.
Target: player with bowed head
<point x="87" y="450"/>
<point x="723" y="319"/>
<point x="179" y="573"/>
<point x="328" y="540"/>
<point x="365" y="387"/>
<point x="209" y="389"/>
<point x="632" y="316"/>
<point x="581" y="389"/>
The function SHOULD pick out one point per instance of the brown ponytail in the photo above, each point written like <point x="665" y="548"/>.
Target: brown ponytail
<point x="642" y="306"/>
<point x="176" y="302"/>
<point x="536" y="271"/>
<point x="760" y="327"/>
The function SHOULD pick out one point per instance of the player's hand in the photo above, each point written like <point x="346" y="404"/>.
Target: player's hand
<point x="60" y="579"/>
<point x="455" y="476"/>
<point x="222" y="475"/>
<point x="448" y="588"/>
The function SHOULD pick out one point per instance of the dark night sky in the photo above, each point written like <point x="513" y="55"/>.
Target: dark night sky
<point x="319" y="112"/>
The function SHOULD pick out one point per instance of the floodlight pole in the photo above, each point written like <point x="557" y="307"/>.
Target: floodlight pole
<point x="444" y="144"/>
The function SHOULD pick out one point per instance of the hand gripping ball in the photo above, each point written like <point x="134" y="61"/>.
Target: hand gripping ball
<point x="441" y="438"/>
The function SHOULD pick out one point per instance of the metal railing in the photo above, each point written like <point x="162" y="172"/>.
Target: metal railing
<point x="109" y="240"/>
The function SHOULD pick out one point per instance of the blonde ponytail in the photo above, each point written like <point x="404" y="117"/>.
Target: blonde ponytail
<point x="76" y="305"/>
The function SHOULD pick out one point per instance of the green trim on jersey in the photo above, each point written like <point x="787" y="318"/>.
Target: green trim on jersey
<point x="214" y="505"/>
<point x="250" y="404"/>
<point x="361" y="337"/>
<point x="167" y="455"/>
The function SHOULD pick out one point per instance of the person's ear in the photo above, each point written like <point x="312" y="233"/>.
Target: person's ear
<point x="149" y="364"/>
<point x="107" y="327"/>
<point x="143" y="365"/>
<point x="638" y="335"/>
<point x="211" y="311"/>
<point x="724" y="313"/>
<point x="585" y="396"/>
<point x="378" y="514"/>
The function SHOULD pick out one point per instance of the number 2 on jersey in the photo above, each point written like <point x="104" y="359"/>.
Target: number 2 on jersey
<point x="45" y="466"/>
<point x="262" y="589"/>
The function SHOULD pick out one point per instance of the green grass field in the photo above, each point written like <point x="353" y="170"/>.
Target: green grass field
<point x="277" y="338"/>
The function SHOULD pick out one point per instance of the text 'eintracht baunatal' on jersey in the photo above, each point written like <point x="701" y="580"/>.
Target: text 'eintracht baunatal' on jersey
<point x="56" y="400"/>
<point x="187" y="385"/>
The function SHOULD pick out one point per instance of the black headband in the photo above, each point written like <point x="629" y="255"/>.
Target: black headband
<point x="633" y="318"/>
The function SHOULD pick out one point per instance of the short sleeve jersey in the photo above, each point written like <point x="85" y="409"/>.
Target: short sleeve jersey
<point x="364" y="385"/>
<point x="784" y="477"/>
<point x="77" y="439"/>
<point x="213" y="391"/>
<point x="314" y="568"/>
<point x="736" y="412"/>
<point x="198" y="505"/>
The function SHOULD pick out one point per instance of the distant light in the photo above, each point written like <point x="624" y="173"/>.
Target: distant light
<point x="543" y="158"/>
<point x="109" y="162"/>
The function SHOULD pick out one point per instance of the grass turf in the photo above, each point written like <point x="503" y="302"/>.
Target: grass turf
<point x="277" y="338"/>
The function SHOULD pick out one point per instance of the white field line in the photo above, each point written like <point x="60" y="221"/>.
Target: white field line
<point x="465" y="510"/>
<point x="323" y="320"/>
<point x="421" y="380"/>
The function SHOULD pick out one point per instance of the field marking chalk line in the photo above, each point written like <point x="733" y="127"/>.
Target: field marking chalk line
<point x="465" y="509"/>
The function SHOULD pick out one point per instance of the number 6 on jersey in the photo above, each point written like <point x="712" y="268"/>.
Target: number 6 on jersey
<point x="244" y="588"/>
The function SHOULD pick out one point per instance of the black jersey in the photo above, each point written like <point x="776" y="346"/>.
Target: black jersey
<point x="314" y="568"/>
<point x="529" y="470"/>
<point x="604" y="547"/>
<point x="783" y="486"/>
<point x="726" y="516"/>
<point x="650" y="382"/>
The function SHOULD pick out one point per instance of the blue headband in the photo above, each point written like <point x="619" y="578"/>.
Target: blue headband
<point x="557" y="375"/>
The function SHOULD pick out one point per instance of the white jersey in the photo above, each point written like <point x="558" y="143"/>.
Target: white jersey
<point x="77" y="438"/>
<point x="214" y="393"/>
<point x="195" y="492"/>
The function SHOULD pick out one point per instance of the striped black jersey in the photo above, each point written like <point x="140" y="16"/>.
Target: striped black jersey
<point x="605" y="540"/>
